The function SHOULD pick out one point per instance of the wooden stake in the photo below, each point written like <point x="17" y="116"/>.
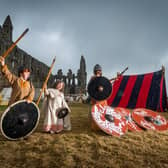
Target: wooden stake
<point x="14" y="44"/>
<point x="45" y="82"/>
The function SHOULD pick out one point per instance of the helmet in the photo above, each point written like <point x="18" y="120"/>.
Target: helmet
<point x="97" y="67"/>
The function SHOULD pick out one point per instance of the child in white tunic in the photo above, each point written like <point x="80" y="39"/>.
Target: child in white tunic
<point x="54" y="100"/>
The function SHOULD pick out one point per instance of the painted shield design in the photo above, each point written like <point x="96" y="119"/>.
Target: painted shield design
<point x="19" y="120"/>
<point x="149" y="119"/>
<point x="132" y="126"/>
<point x="109" y="120"/>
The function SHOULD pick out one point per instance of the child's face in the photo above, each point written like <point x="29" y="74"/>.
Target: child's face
<point x="25" y="75"/>
<point x="98" y="73"/>
<point x="60" y="86"/>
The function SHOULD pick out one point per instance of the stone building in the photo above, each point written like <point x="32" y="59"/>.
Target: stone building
<point x="75" y="84"/>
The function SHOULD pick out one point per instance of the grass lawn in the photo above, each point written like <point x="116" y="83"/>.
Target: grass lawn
<point x="82" y="147"/>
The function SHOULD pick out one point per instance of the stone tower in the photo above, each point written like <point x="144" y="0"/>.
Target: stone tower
<point x="82" y="75"/>
<point x="7" y="29"/>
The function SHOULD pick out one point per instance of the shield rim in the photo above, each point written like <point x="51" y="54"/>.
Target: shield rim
<point x="104" y="98"/>
<point x="5" y="112"/>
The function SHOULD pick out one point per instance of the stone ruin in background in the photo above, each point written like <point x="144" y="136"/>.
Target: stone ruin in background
<point x="74" y="83"/>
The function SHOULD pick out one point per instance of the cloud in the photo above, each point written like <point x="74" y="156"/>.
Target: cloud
<point x="114" y="34"/>
<point x="46" y="45"/>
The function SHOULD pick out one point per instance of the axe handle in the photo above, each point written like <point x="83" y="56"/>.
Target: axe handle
<point x="124" y="71"/>
<point x="14" y="44"/>
<point x="45" y="82"/>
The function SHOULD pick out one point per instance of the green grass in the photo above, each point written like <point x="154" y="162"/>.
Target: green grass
<point x="2" y="108"/>
<point x="82" y="147"/>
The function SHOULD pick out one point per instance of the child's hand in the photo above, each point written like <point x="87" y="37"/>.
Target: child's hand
<point x="2" y="61"/>
<point x="45" y="87"/>
<point x="28" y="101"/>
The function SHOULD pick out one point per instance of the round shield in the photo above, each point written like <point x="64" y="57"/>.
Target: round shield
<point x="109" y="120"/>
<point x="149" y="119"/>
<point x="132" y="126"/>
<point x="62" y="112"/>
<point x="99" y="88"/>
<point x="19" y="120"/>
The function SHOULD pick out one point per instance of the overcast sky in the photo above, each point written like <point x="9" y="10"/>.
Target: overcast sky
<point x="113" y="33"/>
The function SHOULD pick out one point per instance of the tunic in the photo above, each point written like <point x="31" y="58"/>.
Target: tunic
<point x="21" y="89"/>
<point x="54" y="100"/>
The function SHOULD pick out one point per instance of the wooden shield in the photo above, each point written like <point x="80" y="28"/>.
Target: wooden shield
<point x="149" y="119"/>
<point x="109" y="120"/>
<point x="132" y="126"/>
<point x="19" y="120"/>
<point x="99" y="88"/>
<point x="62" y="112"/>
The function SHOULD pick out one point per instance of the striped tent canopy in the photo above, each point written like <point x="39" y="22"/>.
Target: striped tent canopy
<point x="140" y="91"/>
